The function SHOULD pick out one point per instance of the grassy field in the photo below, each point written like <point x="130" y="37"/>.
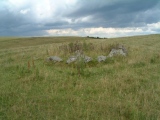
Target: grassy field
<point x="122" y="88"/>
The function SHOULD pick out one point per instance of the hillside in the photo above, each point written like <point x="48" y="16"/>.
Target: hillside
<point x="119" y="88"/>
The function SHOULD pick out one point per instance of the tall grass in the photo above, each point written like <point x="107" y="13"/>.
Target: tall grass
<point x="125" y="88"/>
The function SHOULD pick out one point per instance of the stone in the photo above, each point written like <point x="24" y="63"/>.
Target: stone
<point x="54" y="59"/>
<point x="125" y="50"/>
<point x="87" y="59"/>
<point x="119" y="50"/>
<point x="115" y="52"/>
<point x="79" y="53"/>
<point x="84" y="58"/>
<point x="79" y="56"/>
<point x="71" y="59"/>
<point x="101" y="58"/>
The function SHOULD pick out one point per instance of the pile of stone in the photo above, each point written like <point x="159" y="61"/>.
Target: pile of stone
<point x="79" y="56"/>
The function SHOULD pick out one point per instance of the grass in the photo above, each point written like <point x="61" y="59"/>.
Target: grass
<point x="123" y="88"/>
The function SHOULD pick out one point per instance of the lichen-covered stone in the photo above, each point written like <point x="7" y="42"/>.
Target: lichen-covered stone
<point x="54" y="59"/>
<point x="78" y="53"/>
<point x="115" y="52"/>
<point x="71" y="59"/>
<point x="83" y="58"/>
<point x="119" y="50"/>
<point x="101" y="58"/>
<point x="87" y="59"/>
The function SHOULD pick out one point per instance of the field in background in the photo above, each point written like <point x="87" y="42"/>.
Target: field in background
<point x="120" y="88"/>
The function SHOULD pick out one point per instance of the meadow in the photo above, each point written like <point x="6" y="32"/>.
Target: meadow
<point x="121" y="88"/>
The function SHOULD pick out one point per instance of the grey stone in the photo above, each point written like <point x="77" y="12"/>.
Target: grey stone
<point x="125" y="50"/>
<point x="119" y="50"/>
<point x="79" y="53"/>
<point x="79" y="57"/>
<point x="87" y="59"/>
<point x="101" y="58"/>
<point x="115" y="52"/>
<point x="54" y="59"/>
<point x="71" y="59"/>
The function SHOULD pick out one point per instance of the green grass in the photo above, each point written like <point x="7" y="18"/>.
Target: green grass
<point x="14" y="42"/>
<point x="122" y="88"/>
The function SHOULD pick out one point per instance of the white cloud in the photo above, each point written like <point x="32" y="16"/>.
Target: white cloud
<point x="41" y="10"/>
<point x="64" y="32"/>
<point x="78" y="20"/>
<point x="17" y="3"/>
<point x="106" y="32"/>
<point x="25" y="11"/>
<point x="154" y="26"/>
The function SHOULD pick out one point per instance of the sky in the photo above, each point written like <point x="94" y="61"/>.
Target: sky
<point x="99" y="18"/>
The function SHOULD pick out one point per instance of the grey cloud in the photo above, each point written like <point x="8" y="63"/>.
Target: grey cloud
<point x="118" y="7"/>
<point x="13" y="23"/>
<point x="19" y="25"/>
<point x="118" y="14"/>
<point x="103" y="13"/>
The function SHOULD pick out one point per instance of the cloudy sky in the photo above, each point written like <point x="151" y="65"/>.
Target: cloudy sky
<point x="103" y="18"/>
